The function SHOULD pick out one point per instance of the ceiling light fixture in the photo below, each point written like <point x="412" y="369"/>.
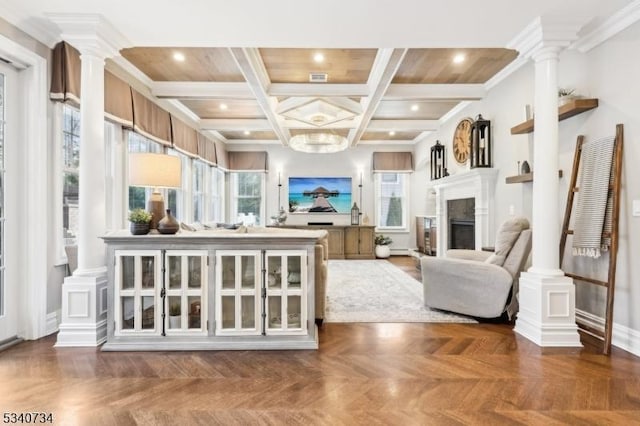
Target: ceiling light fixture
<point x="319" y="112"/>
<point x="459" y="58"/>
<point x="415" y="107"/>
<point x="178" y="56"/>
<point x="392" y="133"/>
<point x="318" y="57"/>
<point x="319" y="143"/>
<point x="247" y="133"/>
<point x="223" y="106"/>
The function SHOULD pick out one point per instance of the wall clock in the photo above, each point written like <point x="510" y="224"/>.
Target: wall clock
<point x="462" y="140"/>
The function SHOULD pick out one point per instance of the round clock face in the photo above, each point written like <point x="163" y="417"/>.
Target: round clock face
<point x="462" y="141"/>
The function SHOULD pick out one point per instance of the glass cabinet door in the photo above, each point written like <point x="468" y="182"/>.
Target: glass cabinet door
<point x="137" y="292"/>
<point x="238" y="285"/>
<point x="186" y="290"/>
<point x="286" y="285"/>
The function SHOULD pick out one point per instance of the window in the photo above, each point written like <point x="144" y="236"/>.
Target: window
<point x="391" y="201"/>
<point x="247" y="193"/>
<point x="216" y="200"/>
<point x="2" y="209"/>
<point x="173" y="196"/>
<point x="198" y="190"/>
<point x="70" y="173"/>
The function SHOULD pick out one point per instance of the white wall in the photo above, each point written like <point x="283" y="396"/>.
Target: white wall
<point x="342" y="164"/>
<point x="609" y="73"/>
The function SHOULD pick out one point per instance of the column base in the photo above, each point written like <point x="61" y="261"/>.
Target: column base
<point x="84" y="310"/>
<point x="547" y="310"/>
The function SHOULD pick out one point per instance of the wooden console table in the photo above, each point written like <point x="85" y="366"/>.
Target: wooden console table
<point x="347" y="241"/>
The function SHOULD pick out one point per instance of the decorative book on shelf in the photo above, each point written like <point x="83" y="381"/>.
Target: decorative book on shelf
<point x="574" y="107"/>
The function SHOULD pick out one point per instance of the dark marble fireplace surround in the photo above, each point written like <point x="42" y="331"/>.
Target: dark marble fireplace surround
<point x="461" y="214"/>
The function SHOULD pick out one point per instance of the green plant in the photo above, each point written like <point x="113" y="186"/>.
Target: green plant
<point x="139" y="216"/>
<point x="382" y="240"/>
<point x="174" y="309"/>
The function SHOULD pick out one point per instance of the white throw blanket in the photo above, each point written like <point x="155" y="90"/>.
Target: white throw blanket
<point x="593" y="211"/>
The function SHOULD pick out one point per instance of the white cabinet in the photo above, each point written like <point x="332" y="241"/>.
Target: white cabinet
<point x="261" y="292"/>
<point x="186" y="292"/>
<point x="238" y="292"/>
<point x="138" y="281"/>
<point x="286" y="290"/>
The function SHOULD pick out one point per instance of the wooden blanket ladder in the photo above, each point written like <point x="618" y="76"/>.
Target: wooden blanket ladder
<point x="614" y="192"/>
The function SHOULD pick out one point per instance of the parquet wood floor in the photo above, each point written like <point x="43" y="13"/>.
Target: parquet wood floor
<point x="363" y="374"/>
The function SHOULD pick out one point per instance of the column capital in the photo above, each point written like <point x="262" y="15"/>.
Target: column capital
<point x="91" y="34"/>
<point x="547" y="34"/>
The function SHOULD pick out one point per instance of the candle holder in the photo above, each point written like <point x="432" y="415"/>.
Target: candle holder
<point x="438" y="161"/>
<point x="481" y="143"/>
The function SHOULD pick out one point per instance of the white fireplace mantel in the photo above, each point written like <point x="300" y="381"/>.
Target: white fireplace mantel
<point x="479" y="184"/>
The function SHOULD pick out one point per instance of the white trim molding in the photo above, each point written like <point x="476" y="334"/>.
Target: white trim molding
<point x="623" y="337"/>
<point x="619" y="21"/>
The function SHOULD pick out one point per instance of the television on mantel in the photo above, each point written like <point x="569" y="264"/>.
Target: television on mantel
<point x="320" y="195"/>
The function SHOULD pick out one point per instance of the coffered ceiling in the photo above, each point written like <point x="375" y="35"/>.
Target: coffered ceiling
<point x="394" y="72"/>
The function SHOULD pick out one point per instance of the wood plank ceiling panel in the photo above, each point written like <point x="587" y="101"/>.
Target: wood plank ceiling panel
<point x="235" y="108"/>
<point x="200" y="64"/>
<point x="401" y="110"/>
<point x="384" y="136"/>
<point x="350" y="66"/>
<point x="255" y="135"/>
<point x="436" y="66"/>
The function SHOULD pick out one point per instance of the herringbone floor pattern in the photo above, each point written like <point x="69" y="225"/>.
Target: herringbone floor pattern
<point x="368" y="374"/>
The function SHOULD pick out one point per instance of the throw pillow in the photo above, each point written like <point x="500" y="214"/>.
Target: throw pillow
<point x="505" y="238"/>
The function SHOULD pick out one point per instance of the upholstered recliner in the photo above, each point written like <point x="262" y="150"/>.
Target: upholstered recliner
<point x="322" y="266"/>
<point x="476" y="283"/>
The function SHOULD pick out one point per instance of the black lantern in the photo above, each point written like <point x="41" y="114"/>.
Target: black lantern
<point x="355" y="214"/>
<point x="438" y="161"/>
<point x="481" y="143"/>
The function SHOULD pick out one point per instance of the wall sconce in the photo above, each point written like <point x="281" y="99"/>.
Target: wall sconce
<point x="481" y="143"/>
<point x="438" y="161"/>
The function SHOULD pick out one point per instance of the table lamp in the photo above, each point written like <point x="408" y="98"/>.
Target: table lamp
<point x="155" y="171"/>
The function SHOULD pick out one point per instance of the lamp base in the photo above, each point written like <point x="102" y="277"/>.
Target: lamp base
<point x="155" y="206"/>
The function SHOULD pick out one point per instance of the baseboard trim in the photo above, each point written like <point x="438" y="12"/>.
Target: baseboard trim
<point x="78" y="335"/>
<point x="6" y="344"/>
<point x="53" y="320"/>
<point x="624" y="338"/>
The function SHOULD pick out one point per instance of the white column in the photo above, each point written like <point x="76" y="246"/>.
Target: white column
<point x="84" y="295"/>
<point x="547" y="297"/>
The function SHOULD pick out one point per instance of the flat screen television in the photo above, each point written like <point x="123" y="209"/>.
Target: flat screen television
<point x="320" y="195"/>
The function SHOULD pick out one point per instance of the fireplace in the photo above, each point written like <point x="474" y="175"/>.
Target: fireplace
<point x="477" y="184"/>
<point x="462" y="221"/>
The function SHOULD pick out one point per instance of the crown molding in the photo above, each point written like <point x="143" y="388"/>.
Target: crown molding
<point x="200" y="90"/>
<point x="40" y="29"/>
<point x="234" y="124"/>
<point x="403" y="125"/>
<point x="252" y="142"/>
<point x="179" y="106"/>
<point x="454" y="112"/>
<point x="547" y="31"/>
<point x="437" y="92"/>
<point x="616" y="23"/>
<point x="505" y="72"/>
<point x="131" y="70"/>
<point x="90" y="33"/>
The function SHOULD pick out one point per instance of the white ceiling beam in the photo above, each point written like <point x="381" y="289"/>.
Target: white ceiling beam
<point x="343" y="124"/>
<point x="200" y="90"/>
<point x="318" y="89"/>
<point x="403" y="125"/>
<point x="233" y="124"/>
<point x="250" y="63"/>
<point x="384" y="68"/>
<point x="253" y="142"/>
<point x="441" y="92"/>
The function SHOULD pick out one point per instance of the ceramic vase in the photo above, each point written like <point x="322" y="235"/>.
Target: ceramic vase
<point x="168" y="224"/>
<point x="525" y="168"/>
<point x="138" y="228"/>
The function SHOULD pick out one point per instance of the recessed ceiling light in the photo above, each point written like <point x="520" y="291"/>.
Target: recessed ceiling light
<point x="247" y="133"/>
<point x="392" y="133"/>
<point x="459" y="58"/>
<point x="223" y="106"/>
<point x="318" y="57"/>
<point x="415" y="107"/>
<point x="178" y="56"/>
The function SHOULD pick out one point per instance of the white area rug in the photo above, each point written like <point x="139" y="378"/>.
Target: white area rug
<point x="377" y="291"/>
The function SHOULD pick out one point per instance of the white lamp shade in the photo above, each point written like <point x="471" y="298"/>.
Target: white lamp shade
<point x="155" y="170"/>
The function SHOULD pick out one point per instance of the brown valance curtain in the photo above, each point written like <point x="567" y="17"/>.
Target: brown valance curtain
<point x="244" y="161"/>
<point x="207" y="149"/>
<point x="150" y="120"/>
<point x="118" y="105"/>
<point x="185" y="138"/>
<point x="222" y="156"/>
<point x="399" y="162"/>
<point x="65" y="74"/>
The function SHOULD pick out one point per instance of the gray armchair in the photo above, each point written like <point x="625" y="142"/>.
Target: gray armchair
<point x="479" y="284"/>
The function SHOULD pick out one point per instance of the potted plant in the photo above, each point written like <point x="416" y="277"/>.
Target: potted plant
<point x="382" y="246"/>
<point x="140" y="220"/>
<point x="174" y="315"/>
<point x="565" y="96"/>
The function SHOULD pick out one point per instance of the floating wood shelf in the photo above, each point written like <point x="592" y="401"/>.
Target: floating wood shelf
<point x="575" y="107"/>
<point x="525" y="177"/>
